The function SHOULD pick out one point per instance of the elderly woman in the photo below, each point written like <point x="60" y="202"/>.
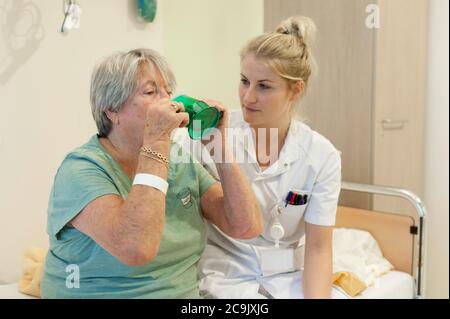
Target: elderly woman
<point x="123" y="220"/>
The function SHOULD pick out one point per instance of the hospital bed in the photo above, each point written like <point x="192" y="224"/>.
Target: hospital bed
<point x="400" y="237"/>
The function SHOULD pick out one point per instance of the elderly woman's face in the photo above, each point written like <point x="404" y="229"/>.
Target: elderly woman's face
<point x="150" y="89"/>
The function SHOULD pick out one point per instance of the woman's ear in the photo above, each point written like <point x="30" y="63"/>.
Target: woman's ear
<point x="297" y="90"/>
<point x="113" y="117"/>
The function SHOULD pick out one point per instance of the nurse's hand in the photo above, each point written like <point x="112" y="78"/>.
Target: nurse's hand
<point x="223" y="122"/>
<point x="222" y="129"/>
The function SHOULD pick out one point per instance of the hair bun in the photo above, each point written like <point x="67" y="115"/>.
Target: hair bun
<point x="302" y="27"/>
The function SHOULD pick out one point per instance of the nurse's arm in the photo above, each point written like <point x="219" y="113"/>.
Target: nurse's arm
<point x="231" y="205"/>
<point x="317" y="275"/>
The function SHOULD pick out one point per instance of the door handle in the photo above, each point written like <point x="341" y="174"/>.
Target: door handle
<point x="390" y="124"/>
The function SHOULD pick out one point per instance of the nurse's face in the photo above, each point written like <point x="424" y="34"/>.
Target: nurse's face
<point x="266" y="98"/>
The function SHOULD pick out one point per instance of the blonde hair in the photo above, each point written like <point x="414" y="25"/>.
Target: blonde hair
<point x="287" y="50"/>
<point x="116" y="78"/>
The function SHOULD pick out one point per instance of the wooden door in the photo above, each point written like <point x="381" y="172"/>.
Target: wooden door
<point x="400" y="99"/>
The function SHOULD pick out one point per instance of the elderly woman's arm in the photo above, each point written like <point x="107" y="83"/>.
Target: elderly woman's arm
<point x="231" y="204"/>
<point x="129" y="229"/>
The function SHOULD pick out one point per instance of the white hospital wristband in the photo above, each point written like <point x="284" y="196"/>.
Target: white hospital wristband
<point x="152" y="181"/>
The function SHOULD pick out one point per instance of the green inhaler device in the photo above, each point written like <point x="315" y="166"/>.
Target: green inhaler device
<point x="202" y="117"/>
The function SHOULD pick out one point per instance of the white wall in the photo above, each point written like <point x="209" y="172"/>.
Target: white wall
<point x="44" y="103"/>
<point x="436" y="152"/>
<point x="202" y="40"/>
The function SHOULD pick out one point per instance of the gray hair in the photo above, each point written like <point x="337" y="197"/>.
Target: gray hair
<point x="116" y="78"/>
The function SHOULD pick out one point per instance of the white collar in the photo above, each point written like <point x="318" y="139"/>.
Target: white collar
<point x="291" y="151"/>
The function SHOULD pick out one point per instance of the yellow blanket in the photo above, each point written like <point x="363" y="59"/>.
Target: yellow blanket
<point x="349" y="282"/>
<point x="33" y="269"/>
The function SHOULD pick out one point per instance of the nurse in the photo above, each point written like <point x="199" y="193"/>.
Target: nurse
<point x="297" y="185"/>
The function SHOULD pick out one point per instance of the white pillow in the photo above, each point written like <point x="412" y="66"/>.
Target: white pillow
<point x="356" y="251"/>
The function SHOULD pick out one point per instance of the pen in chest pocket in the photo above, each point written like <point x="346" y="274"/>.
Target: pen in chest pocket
<point x="296" y="199"/>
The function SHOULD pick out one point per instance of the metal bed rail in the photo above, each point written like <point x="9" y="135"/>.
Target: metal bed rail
<point x="414" y="200"/>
